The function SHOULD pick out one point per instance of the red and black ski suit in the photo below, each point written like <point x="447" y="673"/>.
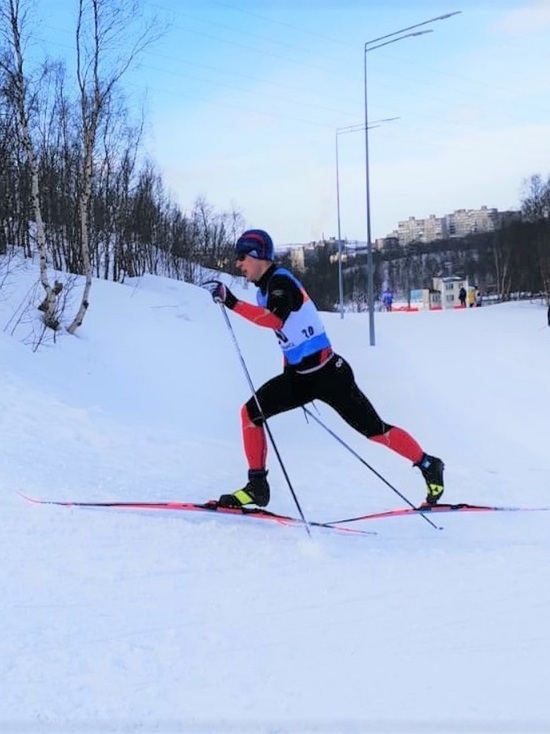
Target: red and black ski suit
<point x="308" y="374"/>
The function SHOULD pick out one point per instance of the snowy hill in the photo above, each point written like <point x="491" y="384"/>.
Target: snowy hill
<point x="124" y="622"/>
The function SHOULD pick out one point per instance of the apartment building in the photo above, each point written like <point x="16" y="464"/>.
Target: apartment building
<point x="460" y="223"/>
<point x="463" y="222"/>
<point x="421" y="230"/>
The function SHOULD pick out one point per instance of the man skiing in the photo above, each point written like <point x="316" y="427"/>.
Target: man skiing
<point x="312" y="371"/>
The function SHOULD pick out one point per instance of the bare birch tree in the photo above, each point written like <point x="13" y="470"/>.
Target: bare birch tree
<point x="22" y="93"/>
<point x="103" y="28"/>
<point x="535" y="204"/>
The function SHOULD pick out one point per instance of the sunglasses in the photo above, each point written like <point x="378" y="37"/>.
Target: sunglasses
<point x="241" y="255"/>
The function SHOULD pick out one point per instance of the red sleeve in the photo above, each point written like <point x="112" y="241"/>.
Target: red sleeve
<point x="258" y="315"/>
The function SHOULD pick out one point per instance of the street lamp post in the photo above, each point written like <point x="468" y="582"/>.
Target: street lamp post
<point x="341" y="131"/>
<point x="379" y="42"/>
<point x="340" y="274"/>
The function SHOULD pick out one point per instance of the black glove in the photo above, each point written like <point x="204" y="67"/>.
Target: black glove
<point x="220" y="293"/>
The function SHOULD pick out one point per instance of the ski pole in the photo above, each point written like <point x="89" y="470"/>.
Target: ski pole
<point x="264" y="419"/>
<point x="307" y="411"/>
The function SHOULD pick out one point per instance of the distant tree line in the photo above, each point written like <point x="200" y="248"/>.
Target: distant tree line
<point x="513" y="261"/>
<point x="77" y="191"/>
<point x="75" y="187"/>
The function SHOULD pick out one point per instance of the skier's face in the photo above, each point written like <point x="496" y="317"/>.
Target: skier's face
<point x="251" y="268"/>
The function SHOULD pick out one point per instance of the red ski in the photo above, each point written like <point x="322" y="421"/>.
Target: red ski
<point x="251" y="512"/>
<point x="435" y="509"/>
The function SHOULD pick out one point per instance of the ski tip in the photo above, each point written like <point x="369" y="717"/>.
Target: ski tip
<point x="27" y="498"/>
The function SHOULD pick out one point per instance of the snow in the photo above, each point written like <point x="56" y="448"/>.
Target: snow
<point x="165" y="622"/>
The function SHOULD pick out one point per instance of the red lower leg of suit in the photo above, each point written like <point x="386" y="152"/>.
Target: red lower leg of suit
<point x="255" y="445"/>
<point x="401" y="442"/>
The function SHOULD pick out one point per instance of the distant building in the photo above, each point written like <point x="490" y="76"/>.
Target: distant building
<point x="431" y="299"/>
<point x="391" y="242"/>
<point x="303" y="256"/>
<point x="449" y="287"/>
<point x="421" y="230"/>
<point x="298" y="254"/>
<point x="463" y="222"/>
<point x="460" y="223"/>
<point x="297" y="259"/>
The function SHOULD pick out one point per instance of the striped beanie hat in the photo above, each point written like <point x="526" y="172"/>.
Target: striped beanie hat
<point x="256" y="243"/>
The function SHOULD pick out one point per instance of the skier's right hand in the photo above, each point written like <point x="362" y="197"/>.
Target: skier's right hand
<point x="220" y="293"/>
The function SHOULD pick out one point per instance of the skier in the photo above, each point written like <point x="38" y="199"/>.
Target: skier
<point x="312" y="370"/>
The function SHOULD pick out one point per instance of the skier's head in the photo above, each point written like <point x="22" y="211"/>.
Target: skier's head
<point x="255" y="243"/>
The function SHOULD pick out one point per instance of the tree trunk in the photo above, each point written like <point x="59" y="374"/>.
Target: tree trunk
<point x="83" y="208"/>
<point x="18" y="95"/>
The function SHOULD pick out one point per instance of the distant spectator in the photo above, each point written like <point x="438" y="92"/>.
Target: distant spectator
<point x="479" y="299"/>
<point x="548" y="314"/>
<point x="462" y="297"/>
<point x="471" y="297"/>
<point x="387" y="299"/>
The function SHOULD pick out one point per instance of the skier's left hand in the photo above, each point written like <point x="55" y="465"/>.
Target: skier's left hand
<point x="220" y="293"/>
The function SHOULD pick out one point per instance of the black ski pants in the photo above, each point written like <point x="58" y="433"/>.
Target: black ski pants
<point x="333" y="384"/>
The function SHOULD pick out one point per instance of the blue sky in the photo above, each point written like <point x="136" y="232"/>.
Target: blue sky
<point x="243" y="101"/>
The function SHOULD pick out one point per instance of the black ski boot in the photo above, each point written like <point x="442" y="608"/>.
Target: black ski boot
<point x="432" y="471"/>
<point x="256" y="492"/>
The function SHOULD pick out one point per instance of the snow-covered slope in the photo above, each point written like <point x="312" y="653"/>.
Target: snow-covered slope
<point x="168" y="622"/>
